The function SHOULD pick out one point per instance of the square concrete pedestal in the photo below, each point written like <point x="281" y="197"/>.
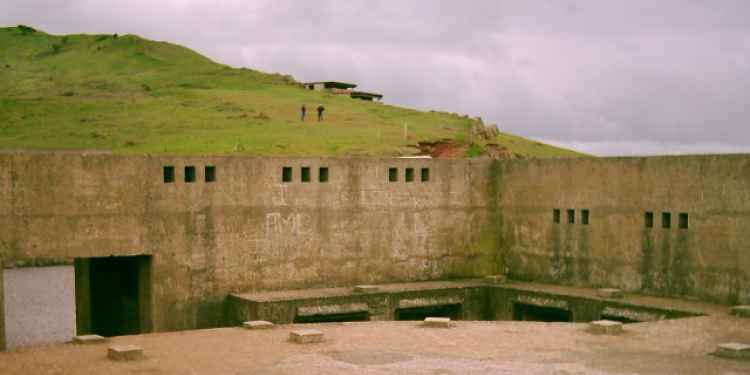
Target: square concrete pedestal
<point x="258" y="324"/>
<point x="733" y="350"/>
<point x="605" y="327"/>
<point x="306" y="336"/>
<point x="89" y="339"/>
<point x="437" y="322"/>
<point x="125" y="353"/>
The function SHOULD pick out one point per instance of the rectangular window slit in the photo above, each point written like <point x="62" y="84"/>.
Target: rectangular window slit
<point x="168" y="174"/>
<point x="190" y="173"/>
<point x="556" y="215"/>
<point x="585" y="217"/>
<point x="210" y="173"/>
<point x="683" y="221"/>
<point x="286" y="174"/>
<point x="392" y="174"/>
<point x="666" y="220"/>
<point x="425" y="174"/>
<point x="305" y="174"/>
<point x="323" y="174"/>
<point x="409" y="174"/>
<point x="571" y="216"/>
<point x="649" y="219"/>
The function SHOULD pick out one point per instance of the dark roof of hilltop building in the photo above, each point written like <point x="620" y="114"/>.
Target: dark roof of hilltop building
<point x="334" y="84"/>
<point x="365" y="94"/>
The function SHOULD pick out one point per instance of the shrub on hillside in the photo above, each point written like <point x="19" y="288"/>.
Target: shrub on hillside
<point x="56" y="48"/>
<point x="26" y="29"/>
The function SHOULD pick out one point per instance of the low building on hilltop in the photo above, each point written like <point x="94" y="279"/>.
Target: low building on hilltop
<point x="343" y="88"/>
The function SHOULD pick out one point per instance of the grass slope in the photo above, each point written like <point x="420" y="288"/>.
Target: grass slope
<point x="132" y="95"/>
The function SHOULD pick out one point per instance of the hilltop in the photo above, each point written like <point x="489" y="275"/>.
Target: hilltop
<point x="132" y="95"/>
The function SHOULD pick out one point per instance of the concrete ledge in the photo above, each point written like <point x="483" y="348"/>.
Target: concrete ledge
<point x="125" y="353"/>
<point x="609" y="293"/>
<point x="366" y="288"/>
<point x="741" y="311"/>
<point x="306" y="336"/>
<point x="89" y="339"/>
<point x="258" y="324"/>
<point x="408" y="303"/>
<point x="433" y="322"/>
<point x="332" y="309"/>
<point x="605" y="327"/>
<point x="633" y="314"/>
<point x="495" y="279"/>
<point x="733" y="350"/>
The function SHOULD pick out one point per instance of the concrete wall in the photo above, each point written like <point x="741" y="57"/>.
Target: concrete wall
<point x="709" y="260"/>
<point x="39" y="305"/>
<point x="248" y="230"/>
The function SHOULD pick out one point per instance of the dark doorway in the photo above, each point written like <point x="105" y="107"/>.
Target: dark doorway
<point x="360" y="316"/>
<point x="112" y="295"/>
<point x="452" y="311"/>
<point x="523" y="312"/>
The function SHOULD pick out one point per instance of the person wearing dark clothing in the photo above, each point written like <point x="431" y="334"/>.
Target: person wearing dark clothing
<point x="303" y="110"/>
<point x="320" y="112"/>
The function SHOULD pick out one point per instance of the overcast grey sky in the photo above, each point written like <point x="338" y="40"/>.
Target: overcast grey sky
<point x="606" y="77"/>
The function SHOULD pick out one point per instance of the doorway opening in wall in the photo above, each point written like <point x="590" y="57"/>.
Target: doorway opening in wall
<point x="113" y="295"/>
<point x="532" y="313"/>
<point x="453" y="311"/>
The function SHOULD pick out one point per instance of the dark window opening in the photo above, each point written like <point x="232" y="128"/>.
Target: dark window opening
<point x="425" y="174"/>
<point x="392" y="174"/>
<point x="360" y="316"/>
<point x="168" y="174"/>
<point x="323" y="174"/>
<point x="210" y="173"/>
<point x="305" y="174"/>
<point x="649" y="219"/>
<point x="666" y="220"/>
<point x="585" y="217"/>
<point x="683" y="221"/>
<point x="190" y="173"/>
<point x="286" y="174"/>
<point x="531" y="313"/>
<point x="112" y="295"/>
<point x="453" y="311"/>
<point x="556" y="215"/>
<point x="571" y="216"/>
<point x="409" y="175"/>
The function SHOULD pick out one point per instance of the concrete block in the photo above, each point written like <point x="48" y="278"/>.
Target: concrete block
<point x="366" y="288"/>
<point x="733" y="350"/>
<point x="741" y="311"/>
<point x="605" y="327"/>
<point x="610" y="293"/>
<point x="306" y="336"/>
<point x="89" y="339"/>
<point x="495" y="279"/>
<point x="437" y="322"/>
<point x="258" y="324"/>
<point x="125" y="353"/>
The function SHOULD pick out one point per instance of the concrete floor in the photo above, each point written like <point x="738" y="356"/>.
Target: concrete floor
<point x="680" y="346"/>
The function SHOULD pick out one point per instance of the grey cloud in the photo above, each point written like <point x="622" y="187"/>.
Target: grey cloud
<point x="604" y="76"/>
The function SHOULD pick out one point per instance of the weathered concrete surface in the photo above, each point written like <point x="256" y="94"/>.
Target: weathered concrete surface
<point x="258" y="324"/>
<point x="39" y="305"/>
<point x="706" y="261"/>
<point x="605" y="327"/>
<point x="437" y="322"/>
<point x="247" y="231"/>
<point x="667" y="347"/>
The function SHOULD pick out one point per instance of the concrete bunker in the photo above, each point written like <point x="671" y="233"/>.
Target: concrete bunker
<point x="113" y="295"/>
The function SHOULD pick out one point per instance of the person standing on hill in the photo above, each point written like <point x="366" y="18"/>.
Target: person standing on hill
<point x="320" y="112"/>
<point x="302" y="110"/>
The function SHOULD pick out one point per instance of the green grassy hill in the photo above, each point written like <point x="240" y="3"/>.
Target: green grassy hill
<point x="132" y="95"/>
